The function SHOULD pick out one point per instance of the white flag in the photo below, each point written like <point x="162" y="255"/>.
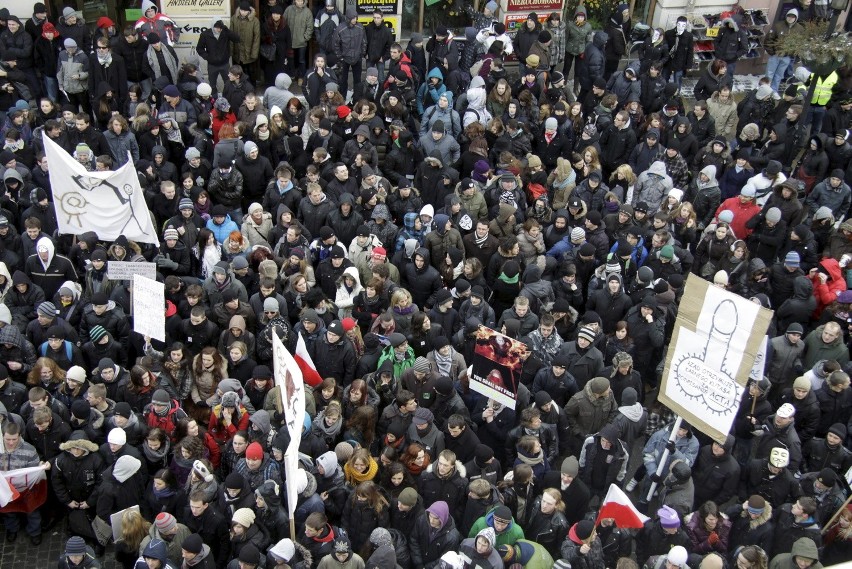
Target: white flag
<point x="109" y="203"/>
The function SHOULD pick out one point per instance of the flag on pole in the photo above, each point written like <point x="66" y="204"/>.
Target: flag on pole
<point x="306" y="363"/>
<point x="288" y="378"/>
<point x="110" y="203"/>
<point x="618" y="506"/>
<point x="22" y="490"/>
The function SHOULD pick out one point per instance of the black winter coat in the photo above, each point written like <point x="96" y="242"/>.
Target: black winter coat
<point x="362" y="519"/>
<point x="425" y="551"/>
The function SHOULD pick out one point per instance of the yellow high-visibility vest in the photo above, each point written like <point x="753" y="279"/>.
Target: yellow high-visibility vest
<point x="822" y="92"/>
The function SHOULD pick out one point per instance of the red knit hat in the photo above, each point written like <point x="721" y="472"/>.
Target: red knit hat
<point x="348" y="323"/>
<point x="254" y="452"/>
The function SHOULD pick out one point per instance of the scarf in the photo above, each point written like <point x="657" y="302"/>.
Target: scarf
<point x="155" y="456"/>
<point x="356" y="477"/>
<point x="209" y="258"/>
<point x="478" y="240"/>
<point x="404" y="311"/>
<point x="444" y="363"/>
<point x="171" y="63"/>
<point x="225" y="284"/>
<point x="323" y="427"/>
<point x="164" y="493"/>
<point x="262" y="135"/>
<point x="415" y="470"/>
<point x="106" y="60"/>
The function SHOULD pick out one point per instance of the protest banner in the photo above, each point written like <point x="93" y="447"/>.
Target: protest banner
<point x="717" y="336"/>
<point x="496" y="367"/>
<point x="149" y="301"/>
<point x="109" y="203"/>
<point x="124" y="270"/>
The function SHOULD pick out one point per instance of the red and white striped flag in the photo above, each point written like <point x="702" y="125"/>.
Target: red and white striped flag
<point x="306" y="363"/>
<point x="618" y="506"/>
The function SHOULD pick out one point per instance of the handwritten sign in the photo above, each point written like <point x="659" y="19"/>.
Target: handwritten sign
<point x="149" y="314"/>
<point x="124" y="270"/>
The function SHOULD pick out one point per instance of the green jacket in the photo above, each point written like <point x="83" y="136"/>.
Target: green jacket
<point x="301" y="23"/>
<point x="575" y="37"/>
<point x="248" y="30"/>
<point x="509" y="537"/>
<point x="399" y="366"/>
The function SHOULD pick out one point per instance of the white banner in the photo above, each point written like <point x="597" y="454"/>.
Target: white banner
<point x="108" y="203"/>
<point x="149" y="312"/>
<point x="717" y="336"/>
<point x="291" y="388"/>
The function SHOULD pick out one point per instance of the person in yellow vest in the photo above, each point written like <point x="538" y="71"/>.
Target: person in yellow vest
<point x="822" y="94"/>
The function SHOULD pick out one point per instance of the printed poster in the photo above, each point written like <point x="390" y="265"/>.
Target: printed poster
<point x="496" y="366"/>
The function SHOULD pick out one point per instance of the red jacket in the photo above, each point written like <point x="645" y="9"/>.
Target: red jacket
<point x="742" y="213"/>
<point x="826" y="292"/>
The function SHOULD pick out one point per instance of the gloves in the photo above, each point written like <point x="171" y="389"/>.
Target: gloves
<point x="670" y="446"/>
<point x="656" y="478"/>
<point x="757" y="432"/>
<point x="713" y="538"/>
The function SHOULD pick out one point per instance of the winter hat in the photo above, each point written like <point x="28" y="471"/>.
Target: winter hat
<point x="96" y="333"/>
<point x="69" y="43"/>
<point x="823" y="213"/>
<point x="756" y="505"/>
<point x="667" y="252"/>
<point x="721" y="278"/>
<point x="122" y="409"/>
<point x="421" y="365"/>
<point x="483" y="454"/>
<point x="153" y="38"/>
<point x="249" y="553"/>
<point x="599" y="385"/>
<point x="125" y="467"/>
<point x="165" y="522"/>
<point x="423" y="416"/>
<point x="804" y="384"/>
<point x="677" y="556"/>
<point x="571" y="466"/>
<point x="343" y="451"/>
<point x="47" y="308"/>
<point x="117" y="436"/>
<point x="249" y="147"/>
<point x="668" y="517"/>
<point x="629" y="397"/>
<point x="244" y="516"/>
<point x="161" y="396"/>
<point x="551" y="123"/>
<point x="204" y="90"/>
<point x="254" y="451"/>
<point x="192" y="543"/>
<point x="773" y="214"/>
<point x="827" y="477"/>
<point x="838" y="429"/>
<point x="185" y="203"/>
<point x="791" y="259"/>
<point x="380" y="536"/>
<point x="202" y="471"/>
<point x="583" y="529"/>
<point x="171" y="91"/>
<point x="578" y="234"/>
<point x="587" y="333"/>
<point x="763" y="92"/>
<point x="81" y="409"/>
<point x="284" y="550"/>
<point x="76" y="374"/>
<point x="75" y="546"/>
<point x="408" y="497"/>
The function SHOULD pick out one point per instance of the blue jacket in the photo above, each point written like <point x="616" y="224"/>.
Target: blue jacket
<point x="221" y="232"/>
<point x="686" y="448"/>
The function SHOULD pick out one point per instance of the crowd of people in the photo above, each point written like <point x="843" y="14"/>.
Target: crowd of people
<point x="382" y="227"/>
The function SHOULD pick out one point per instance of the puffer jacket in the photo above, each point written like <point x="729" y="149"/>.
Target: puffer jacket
<point x="350" y="42"/>
<point x="69" y="66"/>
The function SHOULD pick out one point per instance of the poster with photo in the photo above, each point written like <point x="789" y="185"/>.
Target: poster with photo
<point x="496" y="366"/>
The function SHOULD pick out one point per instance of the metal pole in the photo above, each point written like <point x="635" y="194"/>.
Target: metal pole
<point x="661" y="465"/>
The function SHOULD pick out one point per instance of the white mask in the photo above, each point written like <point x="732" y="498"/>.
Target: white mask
<point x="655" y="37"/>
<point x="681" y="27"/>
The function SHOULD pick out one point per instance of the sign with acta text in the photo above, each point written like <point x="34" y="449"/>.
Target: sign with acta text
<point x="149" y="312"/>
<point x="717" y="336"/>
<point x="124" y="270"/>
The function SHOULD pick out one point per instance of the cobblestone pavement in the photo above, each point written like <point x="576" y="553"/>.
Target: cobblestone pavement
<point x="23" y="555"/>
